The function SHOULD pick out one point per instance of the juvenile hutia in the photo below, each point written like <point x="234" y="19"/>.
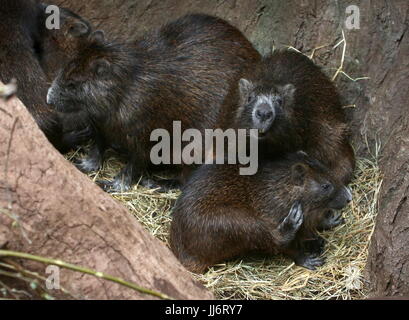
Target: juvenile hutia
<point x="222" y="215"/>
<point x="23" y="35"/>
<point x="294" y="106"/>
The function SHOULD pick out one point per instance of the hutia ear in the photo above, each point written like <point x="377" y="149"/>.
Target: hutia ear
<point x="78" y="29"/>
<point x="245" y="87"/>
<point x="299" y="173"/>
<point x="97" y="36"/>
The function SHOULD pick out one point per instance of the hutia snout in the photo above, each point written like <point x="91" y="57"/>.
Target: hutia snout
<point x="342" y="199"/>
<point x="264" y="116"/>
<point x="264" y="113"/>
<point x="348" y="194"/>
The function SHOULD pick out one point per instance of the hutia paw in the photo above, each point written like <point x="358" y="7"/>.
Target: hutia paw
<point x="113" y="186"/>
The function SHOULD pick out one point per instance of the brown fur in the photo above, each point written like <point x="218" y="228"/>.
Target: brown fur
<point x="22" y="38"/>
<point x="61" y="45"/>
<point x="20" y="48"/>
<point x="310" y="117"/>
<point x="222" y="215"/>
<point x="181" y="72"/>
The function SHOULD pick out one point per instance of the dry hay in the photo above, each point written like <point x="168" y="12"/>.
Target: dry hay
<point x="342" y="277"/>
<point x="277" y="277"/>
<point x="346" y="252"/>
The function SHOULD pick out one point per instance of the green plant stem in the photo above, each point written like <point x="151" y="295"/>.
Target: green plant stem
<point x="62" y="264"/>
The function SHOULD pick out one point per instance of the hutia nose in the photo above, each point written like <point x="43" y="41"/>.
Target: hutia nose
<point x="348" y="194"/>
<point x="264" y="112"/>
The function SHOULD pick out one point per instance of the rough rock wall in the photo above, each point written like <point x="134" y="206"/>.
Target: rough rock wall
<point x="48" y="208"/>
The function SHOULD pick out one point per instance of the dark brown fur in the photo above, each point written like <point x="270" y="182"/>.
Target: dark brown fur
<point x="22" y="34"/>
<point x="20" y="49"/>
<point x="222" y="215"/>
<point x="59" y="46"/>
<point x="307" y="115"/>
<point x="180" y="72"/>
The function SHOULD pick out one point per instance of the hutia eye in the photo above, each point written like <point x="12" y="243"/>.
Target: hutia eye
<point x="250" y="98"/>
